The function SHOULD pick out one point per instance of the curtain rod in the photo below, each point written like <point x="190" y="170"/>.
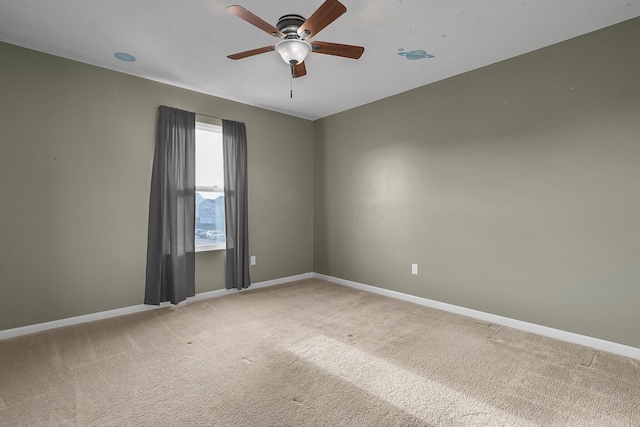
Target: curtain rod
<point x="211" y="117"/>
<point x="205" y="115"/>
<point x="217" y="118"/>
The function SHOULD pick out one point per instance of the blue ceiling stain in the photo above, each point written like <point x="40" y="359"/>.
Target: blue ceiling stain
<point x="415" y="54"/>
<point x="123" y="56"/>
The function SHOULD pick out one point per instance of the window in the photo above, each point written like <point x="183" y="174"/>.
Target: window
<point x="210" y="223"/>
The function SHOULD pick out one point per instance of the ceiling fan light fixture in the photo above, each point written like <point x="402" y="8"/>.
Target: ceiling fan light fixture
<point x="293" y="51"/>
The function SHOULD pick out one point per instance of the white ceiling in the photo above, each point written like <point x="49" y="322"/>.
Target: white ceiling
<point x="185" y="42"/>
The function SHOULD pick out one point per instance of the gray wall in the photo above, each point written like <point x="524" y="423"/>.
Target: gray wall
<point x="76" y="148"/>
<point x="516" y="188"/>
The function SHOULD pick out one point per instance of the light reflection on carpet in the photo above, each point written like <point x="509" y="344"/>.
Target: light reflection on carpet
<point x="423" y="398"/>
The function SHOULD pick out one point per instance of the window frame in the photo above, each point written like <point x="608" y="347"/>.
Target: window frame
<point x="209" y="127"/>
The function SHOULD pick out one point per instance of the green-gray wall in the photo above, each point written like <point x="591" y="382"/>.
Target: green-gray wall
<point x="515" y="187"/>
<point x="76" y="149"/>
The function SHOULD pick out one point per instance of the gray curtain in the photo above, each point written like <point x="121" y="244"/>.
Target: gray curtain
<point x="170" y="245"/>
<point x="234" y="140"/>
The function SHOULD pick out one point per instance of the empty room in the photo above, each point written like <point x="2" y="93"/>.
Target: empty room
<point x="320" y="213"/>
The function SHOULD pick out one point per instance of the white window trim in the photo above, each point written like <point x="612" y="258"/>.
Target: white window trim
<point x="213" y="246"/>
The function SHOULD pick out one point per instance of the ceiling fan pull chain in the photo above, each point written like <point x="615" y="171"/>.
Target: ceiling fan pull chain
<point x="291" y="80"/>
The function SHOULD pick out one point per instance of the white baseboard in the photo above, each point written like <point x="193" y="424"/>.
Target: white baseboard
<point x="39" y="327"/>
<point x="599" y="344"/>
<point x="264" y="284"/>
<point x="596" y="343"/>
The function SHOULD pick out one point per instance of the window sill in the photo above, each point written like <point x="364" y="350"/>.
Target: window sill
<point x="207" y="248"/>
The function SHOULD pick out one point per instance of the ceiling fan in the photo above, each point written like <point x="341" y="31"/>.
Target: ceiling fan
<point x="294" y="30"/>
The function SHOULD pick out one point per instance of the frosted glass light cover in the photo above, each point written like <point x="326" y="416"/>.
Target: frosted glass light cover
<point x="293" y="50"/>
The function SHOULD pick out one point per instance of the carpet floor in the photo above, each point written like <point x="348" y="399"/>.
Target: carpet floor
<point x="309" y="353"/>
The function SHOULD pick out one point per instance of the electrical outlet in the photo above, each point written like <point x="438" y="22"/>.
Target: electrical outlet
<point x="414" y="268"/>
<point x="253" y="260"/>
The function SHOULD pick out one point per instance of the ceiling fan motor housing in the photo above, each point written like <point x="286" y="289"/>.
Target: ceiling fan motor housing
<point x="289" y="25"/>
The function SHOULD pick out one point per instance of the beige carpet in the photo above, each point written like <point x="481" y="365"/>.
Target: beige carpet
<point x="310" y="353"/>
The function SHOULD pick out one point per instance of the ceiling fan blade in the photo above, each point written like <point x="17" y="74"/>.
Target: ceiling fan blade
<point x="298" y="70"/>
<point x="252" y="19"/>
<point x="344" y="50"/>
<point x="328" y="12"/>
<point x="252" y="52"/>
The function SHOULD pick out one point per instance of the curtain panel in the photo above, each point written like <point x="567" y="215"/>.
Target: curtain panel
<point x="170" y="244"/>
<point x="234" y="140"/>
